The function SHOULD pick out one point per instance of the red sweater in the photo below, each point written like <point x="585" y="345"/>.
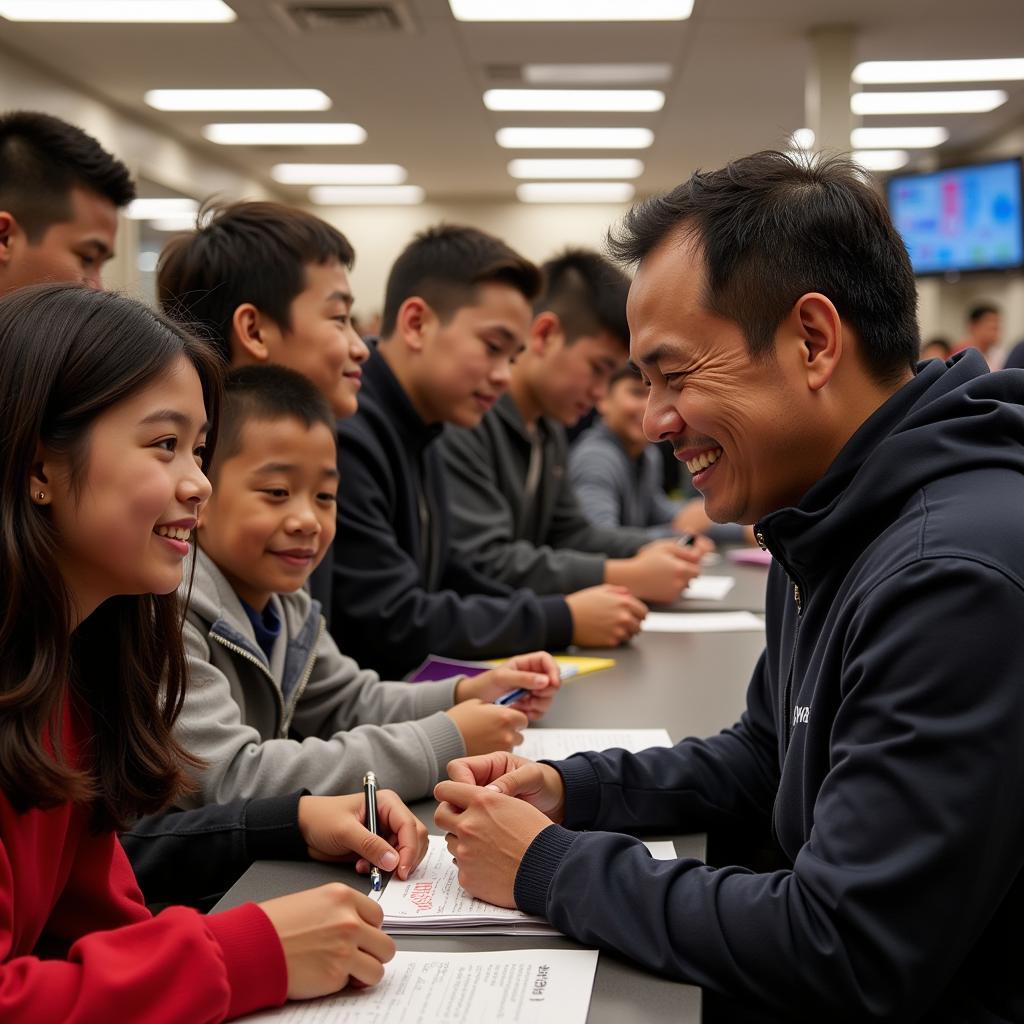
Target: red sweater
<point x="64" y="885"/>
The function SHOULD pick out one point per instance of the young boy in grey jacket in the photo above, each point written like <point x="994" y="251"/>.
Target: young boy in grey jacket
<point x="273" y="705"/>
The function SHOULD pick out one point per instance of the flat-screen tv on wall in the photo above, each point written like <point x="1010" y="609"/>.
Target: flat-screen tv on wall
<point x="961" y="219"/>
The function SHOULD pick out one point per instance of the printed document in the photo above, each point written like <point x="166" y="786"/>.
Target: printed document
<point x="517" y="986"/>
<point x="702" y="622"/>
<point x="556" y="744"/>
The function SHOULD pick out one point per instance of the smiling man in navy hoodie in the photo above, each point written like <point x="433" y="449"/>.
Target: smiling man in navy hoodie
<point x="773" y="313"/>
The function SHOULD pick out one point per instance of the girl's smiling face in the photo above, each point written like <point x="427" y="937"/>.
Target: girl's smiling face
<point x="125" y="519"/>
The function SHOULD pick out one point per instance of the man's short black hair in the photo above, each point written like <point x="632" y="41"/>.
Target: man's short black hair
<point x="773" y="227"/>
<point x="266" y="394"/>
<point x="445" y="265"/>
<point x="588" y="293"/>
<point x="42" y="158"/>
<point x="982" y="309"/>
<point x="253" y="252"/>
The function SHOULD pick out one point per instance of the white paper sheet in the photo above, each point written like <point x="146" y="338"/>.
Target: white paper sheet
<point x="431" y="901"/>
<point x="709" y="588"/>
<point x="555" y="744"/>
<point x="520" y="986"/>
<point x="702" y="622"/>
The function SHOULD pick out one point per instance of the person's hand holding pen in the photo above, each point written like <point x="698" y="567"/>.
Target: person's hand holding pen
<point x="334" y="829"/>
<point x="527" y="682"/>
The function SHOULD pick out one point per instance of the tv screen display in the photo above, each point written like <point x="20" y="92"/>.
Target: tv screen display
<point x="960" y="219"/>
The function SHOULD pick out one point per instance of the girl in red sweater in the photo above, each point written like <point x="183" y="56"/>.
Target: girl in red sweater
<point x="105" y="412"/>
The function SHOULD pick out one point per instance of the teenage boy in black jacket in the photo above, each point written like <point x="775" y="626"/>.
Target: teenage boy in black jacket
<point x="883" y="742"/>
<point x="456" y="313"/>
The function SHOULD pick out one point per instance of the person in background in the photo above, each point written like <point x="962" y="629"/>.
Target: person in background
<point x="936" y="348"/>
<point x="1015" y="360"/>
<point x="881" y="745"/>
<point x="616" y="472"/>
<point x="984" y="323"/>
<point x="59" y="196"/>
<point x="107" y="412"/>
<point x="456" y="313"/>
<point x="515" y="514"/>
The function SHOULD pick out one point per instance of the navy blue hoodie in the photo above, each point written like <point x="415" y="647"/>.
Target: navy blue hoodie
<point x="883" y="742"/>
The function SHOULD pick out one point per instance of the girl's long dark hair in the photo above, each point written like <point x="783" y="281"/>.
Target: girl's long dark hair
<point x="67" y="354"/>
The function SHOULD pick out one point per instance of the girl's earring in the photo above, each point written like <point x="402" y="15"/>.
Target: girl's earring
<point x="40" y="496"/>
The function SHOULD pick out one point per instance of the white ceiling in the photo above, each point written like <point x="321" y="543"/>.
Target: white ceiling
<point x="738" y="82"/>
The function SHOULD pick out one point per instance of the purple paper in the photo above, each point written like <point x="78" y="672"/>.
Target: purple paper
<point x="435" y="668"/>
<point x="751" y="556"/>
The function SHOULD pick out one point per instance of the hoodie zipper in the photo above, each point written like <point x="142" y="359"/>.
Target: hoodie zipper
<point x="307" y="672"/>
<point x="243" y="653"/>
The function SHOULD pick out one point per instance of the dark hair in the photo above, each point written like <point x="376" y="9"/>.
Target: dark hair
<point x="588" y="293"/>
<point x="254" y="252"/>
<point x="70" y="354"/>
<point x="444" y="265"/>
<point x="982" y="309"/>
<point x="942" y="343"/>
<point x="267" y="393"/>
<point x="773" y="227"/>
<point x="41" y="159"/>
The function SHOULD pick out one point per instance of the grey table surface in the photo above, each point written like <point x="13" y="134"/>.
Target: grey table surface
<point x="690" y="684"/>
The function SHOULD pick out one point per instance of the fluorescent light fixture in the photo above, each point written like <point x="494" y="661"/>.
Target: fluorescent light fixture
<point x="881" y="159"/>
<point x="151" y="209"/>
<point x="273" y="134"/>
<point x="178" y="223"/>
<point x="575" y="192"/>
<point x="897" y="138"/>
<point x="339" y="174"/>
<point x="963" y="101"/>
<point x="238" y="99"/>
<point x="630" y="100"/>
<point x="803" y="138"/>
<point x="576" y="168"/>
<point x="571" y="10"/>
<point x="595" y="74"/>
<point x="366" y="195"/>
<point x="117" y="10"/>
<point x="903" y="72"/>
<point x="574" y="138"/>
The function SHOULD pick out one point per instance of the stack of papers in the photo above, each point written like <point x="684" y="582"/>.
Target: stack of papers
<point x="527" y="986"/>
<point x="709" y="588"/>
<point x="431" y="901"/>
<point x="555" y="744"/>
<point x="702" y="622"/>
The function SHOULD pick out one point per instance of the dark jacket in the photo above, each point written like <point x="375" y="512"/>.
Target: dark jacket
<point x="883" y="742"/>
<point x="400" y="591"/>
<point x="540" y="540"/>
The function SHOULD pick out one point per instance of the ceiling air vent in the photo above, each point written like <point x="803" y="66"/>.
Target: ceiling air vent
<point x="358" y="16"/>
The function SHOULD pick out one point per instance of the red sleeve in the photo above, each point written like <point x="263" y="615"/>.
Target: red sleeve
<point x="177" y="967"/>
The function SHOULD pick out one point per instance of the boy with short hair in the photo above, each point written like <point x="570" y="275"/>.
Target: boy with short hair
<point x="273" y="704"/>
<point x="515" y="513"/>
<point x="616" y="472"/>
<point x="456" y="312"/>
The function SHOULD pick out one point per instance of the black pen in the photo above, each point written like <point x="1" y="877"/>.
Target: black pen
<point x="370" y="793"/>
<point x="685" y="540"/>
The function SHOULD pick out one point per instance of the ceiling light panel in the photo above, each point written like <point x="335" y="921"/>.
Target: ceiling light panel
<point x="274" y="134"/>
<point x="897" y="138"/>
<point x="575" y="192"/>
<point x="963" y="101"/>
<point x="596" y="74"/>
<point x="151" y="209"/>
<point x="571" y="10"/>
<point x="881" y="159"/>
<point x="339" y="174"/>
<point x="904" y="72"/>
<point x="237" y="99"/>
<point x="574" y="138"/>
<point x="366" y="195"/>
<point x="117" y="10"/>
<point x="625" y="168"/>
<point x="803" y="138"/>
<point x="618" y="100"/>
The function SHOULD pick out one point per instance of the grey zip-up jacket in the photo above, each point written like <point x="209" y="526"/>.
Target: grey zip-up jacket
<point x="307" y="718"/>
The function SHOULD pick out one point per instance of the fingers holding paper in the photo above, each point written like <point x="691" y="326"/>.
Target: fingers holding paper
<point x="537" y="673"/>
<point x="487" y="834"/>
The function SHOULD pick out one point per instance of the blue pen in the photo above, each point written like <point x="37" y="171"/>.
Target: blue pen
<point x="370" y="795"/>
<point x="564" y="672"/>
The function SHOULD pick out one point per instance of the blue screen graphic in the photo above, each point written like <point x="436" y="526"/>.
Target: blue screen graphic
<point x="965" y="218"/>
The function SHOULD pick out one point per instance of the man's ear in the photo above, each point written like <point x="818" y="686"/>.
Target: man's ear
<point x="412" y="322"/>
<point x="249" y="328"/>
<point x="546" y="333"/>
<point x="815" y="321"/>
<point x="8" y="229"/>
